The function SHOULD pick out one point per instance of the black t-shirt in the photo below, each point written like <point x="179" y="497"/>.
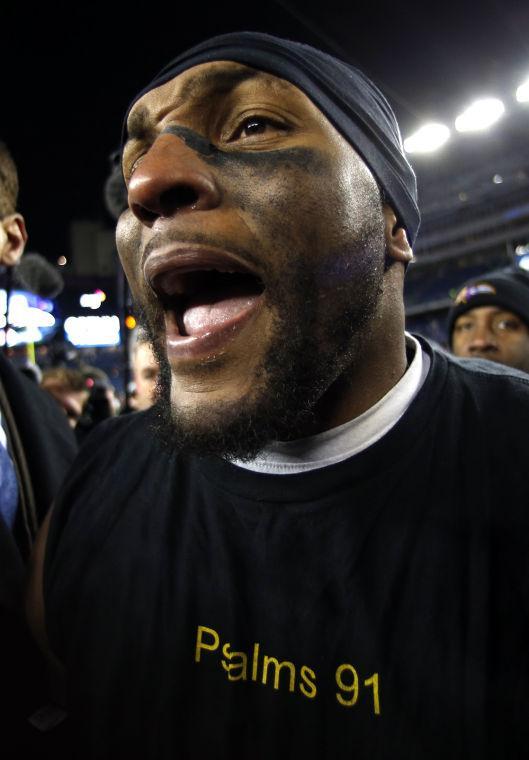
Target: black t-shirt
<point x="374" y="609"/>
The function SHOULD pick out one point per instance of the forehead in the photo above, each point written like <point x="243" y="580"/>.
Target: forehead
<point x="486" y="312"/>
<point x="144" y="354"/>
<point x="204" y="85"/>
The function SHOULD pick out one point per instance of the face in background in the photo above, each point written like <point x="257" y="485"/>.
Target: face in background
<point x="71" y="401"/>
<point x="255" y="248"/>
<point x="490" y="332"/>
<point x="145" y="373"/>
<point x="68" y="388"/>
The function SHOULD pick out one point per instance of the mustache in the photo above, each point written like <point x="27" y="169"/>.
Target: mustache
<point x="163" y="239"/>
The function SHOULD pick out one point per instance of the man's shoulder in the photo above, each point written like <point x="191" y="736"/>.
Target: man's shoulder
<point x="480" y="374"/>
<point x="487" y="378"/>
<point x="489" y="371"/>
<point x="130" y="427"/>
<point x="490" y="396"/>
<point x="120" y="444"/>
<point x="116" y="458"/>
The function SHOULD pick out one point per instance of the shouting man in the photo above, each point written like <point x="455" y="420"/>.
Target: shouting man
<point x="315" y="545"/>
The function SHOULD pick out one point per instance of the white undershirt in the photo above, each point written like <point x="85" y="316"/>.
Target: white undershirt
<point x="344" y="441"/>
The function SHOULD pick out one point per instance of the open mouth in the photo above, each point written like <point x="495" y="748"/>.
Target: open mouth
<point x="202" y="301"/>
<point x="207" y="295"/>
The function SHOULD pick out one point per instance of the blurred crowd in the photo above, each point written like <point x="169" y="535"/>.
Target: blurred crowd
<point x="87" y="395"/>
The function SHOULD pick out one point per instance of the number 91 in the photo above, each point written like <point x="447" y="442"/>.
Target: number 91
<point x="347" y="681"/>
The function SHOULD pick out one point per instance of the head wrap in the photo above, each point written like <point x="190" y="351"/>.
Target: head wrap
<point x="507" y="289"/>
<point x="351" y="102"/>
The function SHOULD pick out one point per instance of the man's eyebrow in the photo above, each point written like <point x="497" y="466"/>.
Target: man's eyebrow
<point x="139" y="125"/>
<point x="203" y="85"/>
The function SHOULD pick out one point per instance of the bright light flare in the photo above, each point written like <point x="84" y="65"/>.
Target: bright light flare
<point x="92" y="300"/>
<point x="522" y="93"/>
<point x="92" y="331"/>
<point x="427" y="139"/>
<point x="523" y="263"/>
<point x="480" y="115"/>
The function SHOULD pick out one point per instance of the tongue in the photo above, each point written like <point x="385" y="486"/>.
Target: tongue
<point x="199" y="317"/>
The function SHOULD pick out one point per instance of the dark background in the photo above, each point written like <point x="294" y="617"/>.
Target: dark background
<point x="68" y="73"/>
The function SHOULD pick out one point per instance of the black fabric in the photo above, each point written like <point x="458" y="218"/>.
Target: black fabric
<point x="408" y="561"/>
<point x="351" y="102"/>
<point x="507" y="289"/>
<point x="49" y="449"/>
<point x="48" y="441"/>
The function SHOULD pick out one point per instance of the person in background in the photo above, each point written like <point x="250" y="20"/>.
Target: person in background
<point x="145" y="371"/>
<point x="68" y="387"/>
<point x="490" y="319"/>
<point x="36" y="448"/>
<point x="102" y="402"/>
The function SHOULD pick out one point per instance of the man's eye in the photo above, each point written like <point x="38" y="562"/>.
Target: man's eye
<point x="463" y="326"/>
<point x="254" y="126"/>
<point x="507" y="324"/>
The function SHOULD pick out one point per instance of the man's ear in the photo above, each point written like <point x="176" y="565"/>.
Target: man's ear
<point x="397" y="244"/>
<point x="13" y="238"/>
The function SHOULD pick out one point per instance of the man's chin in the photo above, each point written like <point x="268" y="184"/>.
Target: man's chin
<point x="308" y="350"/>
<point x="229" y="429"/>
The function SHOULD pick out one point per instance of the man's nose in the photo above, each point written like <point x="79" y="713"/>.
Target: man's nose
<point x="171" y="179"/>
<point x="482" y="340"/>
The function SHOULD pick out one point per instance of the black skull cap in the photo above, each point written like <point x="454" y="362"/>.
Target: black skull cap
<point x="351" y="102"/>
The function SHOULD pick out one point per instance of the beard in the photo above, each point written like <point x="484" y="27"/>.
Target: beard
<point x="311" y="348"/>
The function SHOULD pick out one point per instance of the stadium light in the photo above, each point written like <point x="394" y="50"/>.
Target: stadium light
<point x="522" y="257"/>
<point x="427" y="139"/>
<point x="480" y="115"/>
<point x="522" y="93"/>
<point x="93" y="331"/>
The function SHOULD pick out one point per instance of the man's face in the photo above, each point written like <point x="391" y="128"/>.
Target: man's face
<point x="490" y="332"/>
<point x="145" y="370"/>
<point x="254" y="247"/>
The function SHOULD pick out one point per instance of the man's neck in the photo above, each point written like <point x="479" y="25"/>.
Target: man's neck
<point x="381" y="365"/>
<point x="353" y="437"/>
<point x="380" y="361"/>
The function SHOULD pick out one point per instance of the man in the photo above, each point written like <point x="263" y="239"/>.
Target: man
<point x="34" y="432"/>
<point x="36" y="449"/>
<point x="144" y="371"/>
<point x="322" y="551"/>
<point x="490" y="319"/>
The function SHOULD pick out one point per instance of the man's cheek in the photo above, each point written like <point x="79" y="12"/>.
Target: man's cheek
<point x="128" y="243"/>
<point x="282" y="212"/>
<point x="274" y="180"/>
